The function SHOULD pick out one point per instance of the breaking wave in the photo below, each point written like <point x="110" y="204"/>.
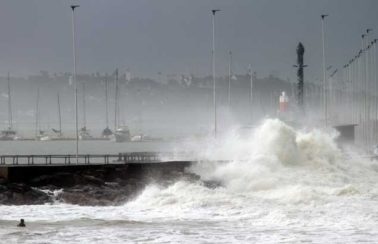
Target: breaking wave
<point x="273" y="163"/>
<point x="272" y="184"/>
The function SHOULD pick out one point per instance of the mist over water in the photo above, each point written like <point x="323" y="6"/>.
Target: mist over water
<point x="277" y="184"/>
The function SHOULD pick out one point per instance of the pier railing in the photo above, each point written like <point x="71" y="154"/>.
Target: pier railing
<point x="84" y="159"/>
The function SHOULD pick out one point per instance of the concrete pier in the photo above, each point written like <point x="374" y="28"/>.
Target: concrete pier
<point x="23" y="168"/>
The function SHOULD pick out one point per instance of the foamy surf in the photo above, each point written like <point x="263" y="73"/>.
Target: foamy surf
<point x="279" y="184"/>
<point x="275" y="168"/>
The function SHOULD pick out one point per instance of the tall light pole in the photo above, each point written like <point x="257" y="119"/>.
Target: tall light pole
<point x="229" y="80"/>
<point x="75" y="81"/>
<point x="356" y="97"/>
<point x="367" y="75"/>
<point x="324" y="74"/>
<point x="251" y="92"/>
<point x="213" y="71"/>
<point x="369" y="85"/>
<point x="365" y="90"/>
<point x="116" y="98"/>
<point x="361" y="90"/>
<point x="374" y="42"/>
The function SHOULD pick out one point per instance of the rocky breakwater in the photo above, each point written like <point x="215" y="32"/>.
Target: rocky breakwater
<point x="94" y="185"/>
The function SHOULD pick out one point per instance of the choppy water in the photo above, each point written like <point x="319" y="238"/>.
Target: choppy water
<point x="282" y="186"/>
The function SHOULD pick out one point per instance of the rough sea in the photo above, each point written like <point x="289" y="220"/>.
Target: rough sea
<point x="277" y="185"/>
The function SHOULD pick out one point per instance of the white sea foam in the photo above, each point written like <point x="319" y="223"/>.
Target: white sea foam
<point x="271" y="172"/>
<point x="274" y="158"/>
<point x="279" y="184"/>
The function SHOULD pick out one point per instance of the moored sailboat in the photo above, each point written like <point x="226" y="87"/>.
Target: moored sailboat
<point x="40" y="135"/>
<point x="107" y="132"/>
<point x="121" y="133"/>
<point x="84" y="133"/>
<point x="58" y="134"/>
<point x="9" y="134"/>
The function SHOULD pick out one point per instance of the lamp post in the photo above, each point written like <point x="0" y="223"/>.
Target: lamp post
<point x="323" y="16"/>
<point x="251" y="92"/>
<point x="374" y="43"/>
<point x="368" y="85"/>
<point x="365" y="91"/>
<point x="229" y="79"/>
<point x="73" y="7"/>
<point x="361" y="89"/>
<point x="214" y="11"/>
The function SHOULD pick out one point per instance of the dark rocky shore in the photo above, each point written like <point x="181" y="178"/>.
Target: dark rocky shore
<point x="107" y="185"/>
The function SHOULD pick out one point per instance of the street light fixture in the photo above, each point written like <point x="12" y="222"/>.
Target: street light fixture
<point x="323" y="16"/>
<point x="229" y="79"/>
<point x="73" y="7"/>
<point x="214" y="11"/>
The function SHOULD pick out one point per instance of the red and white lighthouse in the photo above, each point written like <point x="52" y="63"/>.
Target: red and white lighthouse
<point x="284" y="102"/>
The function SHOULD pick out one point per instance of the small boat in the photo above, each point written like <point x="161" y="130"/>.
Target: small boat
<point x="57" y="135"/>
<point x="58" y="132"/>
<point x="142" y="138"/>
<point x="122" y="134"/>
<point x="106" y="133"/>
<point x="84" y="134"/>
<point x="8" y="135"/>
<point x="42" y="136"/>
<point x="137" y="138"/>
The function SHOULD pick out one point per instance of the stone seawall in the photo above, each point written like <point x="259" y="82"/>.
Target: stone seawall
<point x="84" y="184"/>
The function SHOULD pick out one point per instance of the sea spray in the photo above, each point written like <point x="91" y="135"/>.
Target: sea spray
<point x="267" y="158"/>
<point x="302" y="188"/>
<point x="271" y="162"/>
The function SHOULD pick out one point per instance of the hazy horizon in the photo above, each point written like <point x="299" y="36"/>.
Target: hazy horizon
<point x="174" y="37"/>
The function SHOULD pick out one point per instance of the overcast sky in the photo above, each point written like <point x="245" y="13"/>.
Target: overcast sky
<point x="174" y="36"/>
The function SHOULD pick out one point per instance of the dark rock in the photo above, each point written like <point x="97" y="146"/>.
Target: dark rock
<point x="93" y="180"/>
<point x="20" y="194"/>
<point x="3" y="188"/>
<point x="58" y="179"/>
<point x="18" y="187"/>
<point x="3" y="180"/>
<point x="108" y="185"/>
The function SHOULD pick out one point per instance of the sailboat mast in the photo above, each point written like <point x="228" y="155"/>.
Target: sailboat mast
<point x="60" y="116"/>
<point x="84" y="111"/>
<point x="116" y="101"/>
<point x="10" y="119"/>
<point x="106" y="103"/>
<point x="229" y="79"/>
<point x="37" y="115"/>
